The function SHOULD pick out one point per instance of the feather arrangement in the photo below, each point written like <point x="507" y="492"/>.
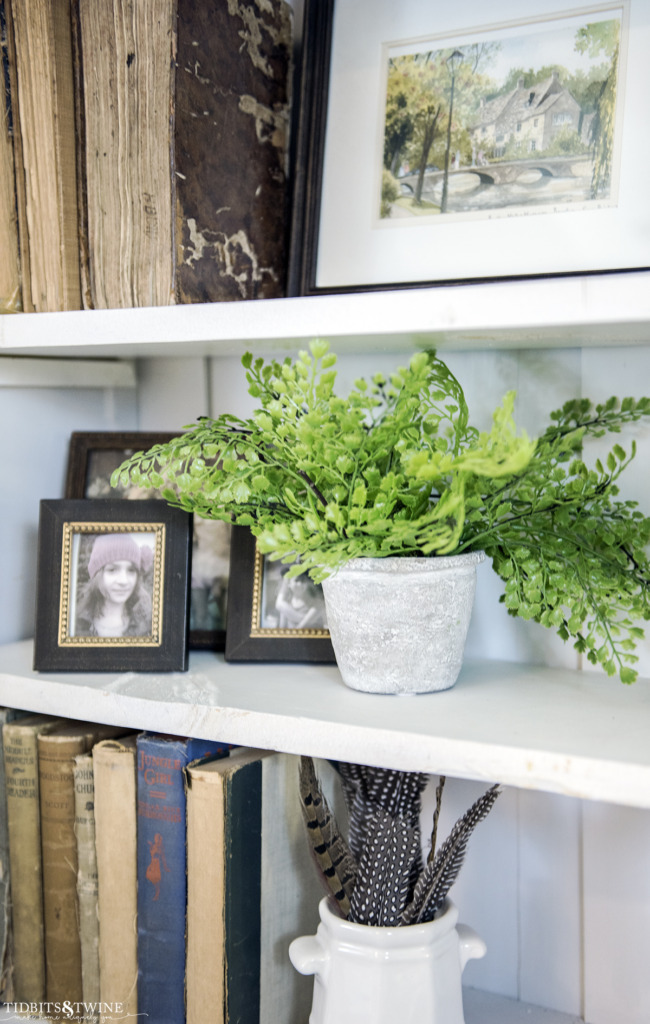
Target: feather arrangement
<point x="377" y="876"/>
<point x="336" y="864"/>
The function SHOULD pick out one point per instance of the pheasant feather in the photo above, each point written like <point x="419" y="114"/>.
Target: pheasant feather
<point x="331" y="852"/>
<point x="439" y="875"/>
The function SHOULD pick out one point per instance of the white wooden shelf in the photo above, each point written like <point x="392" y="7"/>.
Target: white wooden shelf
<point x="480" y="1008"/>
<point x="600" y="309"/>
<point x="577" y="733"/>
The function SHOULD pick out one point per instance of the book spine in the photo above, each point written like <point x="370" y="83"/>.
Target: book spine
<point x="6" y="954"/>
<point x="23" y="820"/>
<point x="232" y="108"/>
<point x="59" y="846"/>
<point x="9" y="264"/>
<point x="243" y="892"/>
<point x="42" y="36"/>
<point x="205" y="969"/>
<point x="162" y="883"/>
<point x="116" y="843"/>
<point x="84" y="796"/>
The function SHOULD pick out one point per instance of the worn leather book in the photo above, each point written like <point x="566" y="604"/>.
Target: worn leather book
<point x="24" y="831"/>
<point x="56" y="753"/>
<point x="183" y="114"/>
<point x="116" y="838"/>
<point x="251" y="889"/>
<point x="44" y="125"/>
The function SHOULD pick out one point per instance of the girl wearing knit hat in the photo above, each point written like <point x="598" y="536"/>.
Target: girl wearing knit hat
<point x="115" y="601"/>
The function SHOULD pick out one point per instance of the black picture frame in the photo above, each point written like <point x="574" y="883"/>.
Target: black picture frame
<point x="313" y="85"/>
<point x="92" y="457"/>
<point x="69" y="531"/>
<point x="250" y="633"/>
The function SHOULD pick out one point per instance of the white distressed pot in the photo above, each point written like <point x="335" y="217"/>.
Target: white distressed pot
<point x="408" y="975"/>
<point x="398" y="625"/>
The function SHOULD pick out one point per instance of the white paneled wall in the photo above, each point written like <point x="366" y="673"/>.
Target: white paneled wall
<point x="35" y="424"/>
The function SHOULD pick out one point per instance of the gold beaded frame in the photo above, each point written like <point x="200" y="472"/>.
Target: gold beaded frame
<point x="69" y="580"/>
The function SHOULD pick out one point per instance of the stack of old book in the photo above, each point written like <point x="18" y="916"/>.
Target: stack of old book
<point x="143" y="152"/>
<point x="151" y="875"/>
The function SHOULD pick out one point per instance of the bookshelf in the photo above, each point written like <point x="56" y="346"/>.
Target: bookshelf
<point x="556" y="730"/>
<point x="480" y="1008"/>
<point x="593" y="309"/>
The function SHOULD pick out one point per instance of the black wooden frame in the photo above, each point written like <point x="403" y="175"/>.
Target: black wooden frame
<point x="165" y="651"/>
<point x="246" y="640"/>
<point x="82" y="445"/>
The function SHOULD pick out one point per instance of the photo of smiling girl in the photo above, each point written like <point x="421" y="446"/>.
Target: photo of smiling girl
<point x="114" y="586"/>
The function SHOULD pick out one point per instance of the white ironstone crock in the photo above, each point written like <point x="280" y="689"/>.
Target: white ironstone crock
<point x="410" y="975"/>
<point x="399" y="625"/>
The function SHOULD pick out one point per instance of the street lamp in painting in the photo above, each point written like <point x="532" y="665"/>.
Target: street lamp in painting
<point x="453" y="62"/>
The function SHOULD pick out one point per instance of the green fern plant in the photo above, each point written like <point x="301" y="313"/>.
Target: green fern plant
<point x="396" y="468"/>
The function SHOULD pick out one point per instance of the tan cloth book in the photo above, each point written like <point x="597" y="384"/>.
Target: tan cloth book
<point x="24" y="829"/>
<point x="84" y="827"/>
<point x="251" y="889"/>
<point x="56" y="753"/>
<point x="114" y="763"/>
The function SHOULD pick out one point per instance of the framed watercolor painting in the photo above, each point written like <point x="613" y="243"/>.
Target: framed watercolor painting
<point x="271" y="618"/>
<point x="112" y="586"/>
<point x="444" y="148"/>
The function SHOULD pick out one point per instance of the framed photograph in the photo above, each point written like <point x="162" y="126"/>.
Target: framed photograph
<point x="112" y="586"/>
<point x="271" y="618"/>
<point x="92" y="459"/>
<point x="439" y="147"/>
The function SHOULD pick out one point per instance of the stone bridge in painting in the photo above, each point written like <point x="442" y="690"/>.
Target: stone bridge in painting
<point x="531" y="172"/>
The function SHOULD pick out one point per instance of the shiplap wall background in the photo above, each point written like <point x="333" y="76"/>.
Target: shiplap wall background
<point x="558" y="887"/>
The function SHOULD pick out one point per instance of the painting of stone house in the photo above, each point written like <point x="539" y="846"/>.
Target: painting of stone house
<point x="531" y="116"/>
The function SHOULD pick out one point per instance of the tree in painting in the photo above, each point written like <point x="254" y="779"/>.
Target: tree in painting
<point x="602" y="38"/>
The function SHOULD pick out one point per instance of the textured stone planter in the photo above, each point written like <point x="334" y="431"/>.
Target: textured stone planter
<point x="398" y="625"/>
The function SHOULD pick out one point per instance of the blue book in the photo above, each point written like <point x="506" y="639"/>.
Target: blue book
<point x="162" y="884"/>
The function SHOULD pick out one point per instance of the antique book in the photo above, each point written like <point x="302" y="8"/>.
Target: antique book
<point x="10" y="301"/>
<point x="6" y="951"/>
<point x="24" y="829"/>
<point x="56" y="753"/>
<point x="115" y="839"/>
<point x="84" y="827"/>
<point x="162" y="887"/>
<point x="252" y="888"/>
<point x="45" y="122"/>
<point x="183" y="117"/>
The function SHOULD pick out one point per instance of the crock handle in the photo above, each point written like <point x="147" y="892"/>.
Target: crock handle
<point x="308" y="956"/>
<point x="470" y="945"/>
